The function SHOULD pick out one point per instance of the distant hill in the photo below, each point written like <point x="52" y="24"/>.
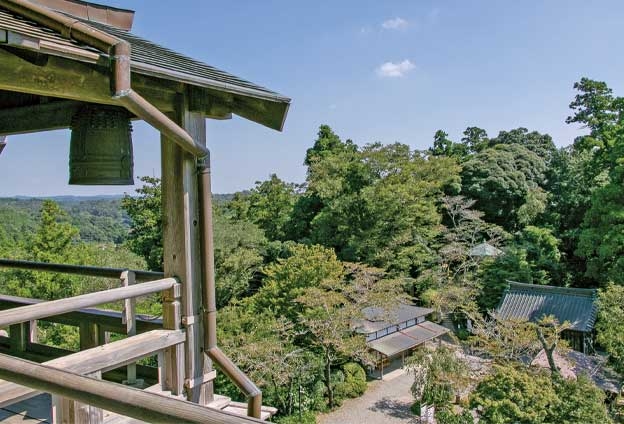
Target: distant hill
<point x="100" y="219"/>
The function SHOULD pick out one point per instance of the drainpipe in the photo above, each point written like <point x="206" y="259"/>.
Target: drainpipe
<point x="254" y="395"/>
<point x="119" y="54"/>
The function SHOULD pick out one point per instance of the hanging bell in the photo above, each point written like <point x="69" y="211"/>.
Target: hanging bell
<point x="100" y="151"/>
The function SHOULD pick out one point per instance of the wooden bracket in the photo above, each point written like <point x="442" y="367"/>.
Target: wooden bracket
<point x="198" y="381"/>
<point x="190" y="320"/>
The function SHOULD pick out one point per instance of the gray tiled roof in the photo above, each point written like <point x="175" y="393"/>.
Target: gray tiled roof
<point x="532" y="302"/>
<point x="408" y="338"/>
<point x="151" y="59"/>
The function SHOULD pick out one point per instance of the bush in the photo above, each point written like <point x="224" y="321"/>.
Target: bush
<point x="307" y="417"/>
<point x="463" y="334"/>
<point x="415" y="408"/>
<point x="446" y="416"/>
<point x="354" y="383"/>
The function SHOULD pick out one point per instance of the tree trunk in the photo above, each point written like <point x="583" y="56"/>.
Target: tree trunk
<point x="549" y="351"/>
<point x="330" y="390"/>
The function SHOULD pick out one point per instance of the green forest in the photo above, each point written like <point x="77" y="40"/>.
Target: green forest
<point x="373" y="225"/>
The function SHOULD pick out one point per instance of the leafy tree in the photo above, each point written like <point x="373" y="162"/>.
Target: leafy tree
<point x="442" y="146"/>
<point x="504" y="340"/>
<point x="262" y="345"/>
<point x="327" y="318"/>
<point x="610" y="324"/>
<point x="501" y="179"/>
<point x="55" y="235"/>
<point x="519" y="395"/>
<point x="271" y="205"/>
<point x="287" y="279"/>
<point x="327" y="144"/>
<point x="439" y="376"/>
<point x="542" y="254"/>
<point x="601" y="243"/>
<point x="495" y="273"/>
<point x="379" y="204"/>
<point x="145" y="213"/>
<point x="540" y="144"/>
<point x="475" y="139"/>
<point x="239" y="246"/>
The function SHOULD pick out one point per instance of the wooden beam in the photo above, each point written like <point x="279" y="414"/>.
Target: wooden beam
<point x="57" y="78"/>
<point x="100" y="359"/>
<point x="69" y="79"/>
<point x="122" y="400"/>
<point x="43" y="117"/>
<point x="55" y="307"/>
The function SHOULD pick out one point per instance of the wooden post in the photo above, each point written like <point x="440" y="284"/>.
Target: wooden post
<point x="128" y="278"/>
<point x="89" y="335"/>
<point x="19" y="335"/>
<point x="181" y="240"/>
<point x="67" y="411"/>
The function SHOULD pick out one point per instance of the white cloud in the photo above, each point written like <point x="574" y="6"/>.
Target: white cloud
<point x="396" y="23"/>
<point x="394" y="70"/>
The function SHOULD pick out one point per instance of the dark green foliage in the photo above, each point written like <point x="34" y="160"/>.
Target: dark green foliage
<point x="378" y="204"/>
<point x="502" y="179"/>
<point x="145" y="213"/>
<point x="475" y="139"/>
<point x="610" y="324"/>
<point x="540" y="144"/>
<point x="442" y="146"/>
<point x="269" y="205"/>
<point x="99" y="220"/>
<point x="494" y="274"/>
<point x="448" y="417"/>
<point x="354" y="383"/>
<point x="520" y="395"/>
<point x="307" y="417"/>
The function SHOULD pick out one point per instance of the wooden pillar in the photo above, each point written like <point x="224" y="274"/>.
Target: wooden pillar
<point x="181" y="240"/>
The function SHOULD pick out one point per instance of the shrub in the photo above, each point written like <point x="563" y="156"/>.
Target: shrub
<point x="415" y="408"/>
<point x="446" y="416"/>
<point x="307" y="417"/>
<point x="354" y="383"/>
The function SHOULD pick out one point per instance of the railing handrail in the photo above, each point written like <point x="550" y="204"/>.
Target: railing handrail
<point x="87" y="271"/>
<point x="120" y="399"/>
<point x="57" y="307"/>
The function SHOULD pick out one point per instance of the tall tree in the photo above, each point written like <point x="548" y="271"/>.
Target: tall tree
<point x="145" y="213"/>
<point x="271" y="205"/>
<point x="502" y="179"/>
<point x="610" y="324"/>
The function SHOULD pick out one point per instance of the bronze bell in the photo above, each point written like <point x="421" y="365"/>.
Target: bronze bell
<point x="100" y="151"/>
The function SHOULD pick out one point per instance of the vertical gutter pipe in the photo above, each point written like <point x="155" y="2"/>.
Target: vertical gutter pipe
<point x="239" y="378"/>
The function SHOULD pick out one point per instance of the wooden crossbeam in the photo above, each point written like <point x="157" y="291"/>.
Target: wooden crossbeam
<point x="99" y="359"/>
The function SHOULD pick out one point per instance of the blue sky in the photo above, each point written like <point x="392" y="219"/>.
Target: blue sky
<point x="387" y="71"/>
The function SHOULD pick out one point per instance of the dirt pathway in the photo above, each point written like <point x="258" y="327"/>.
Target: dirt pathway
<point x="385" y="402"/>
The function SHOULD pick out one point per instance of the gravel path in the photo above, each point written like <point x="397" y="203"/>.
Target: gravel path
<point x="385" y="402"/>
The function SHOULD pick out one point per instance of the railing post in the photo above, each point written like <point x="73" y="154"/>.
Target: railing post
<point x="67" y="411"/>
<point x="128" y="278"/>
<point x="172" y="360"/>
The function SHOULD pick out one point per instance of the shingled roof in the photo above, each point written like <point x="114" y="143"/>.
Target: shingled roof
<point x="147" y="58"/>
<point x="532" y="302"/>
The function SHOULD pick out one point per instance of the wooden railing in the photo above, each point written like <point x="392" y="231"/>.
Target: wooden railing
<point x="63" y="376"/>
